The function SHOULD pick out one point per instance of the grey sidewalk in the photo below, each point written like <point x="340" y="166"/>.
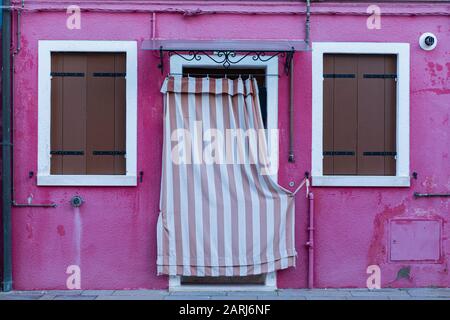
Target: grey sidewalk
<point x="287" y="294"/>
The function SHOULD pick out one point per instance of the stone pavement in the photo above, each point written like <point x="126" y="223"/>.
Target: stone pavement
<point x="286" y="294"/>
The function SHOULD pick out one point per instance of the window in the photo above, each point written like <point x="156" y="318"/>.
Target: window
<point x="360" y="114"/>
<point x="87" y="113"/>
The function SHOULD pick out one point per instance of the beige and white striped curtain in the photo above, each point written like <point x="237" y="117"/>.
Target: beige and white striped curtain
<point x="219" y="219"/>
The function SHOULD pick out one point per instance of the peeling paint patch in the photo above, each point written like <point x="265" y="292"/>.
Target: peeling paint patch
<point x="433" y="90"/>
<point x="429" y="184"/>
<point x="445" y="121"/>
<point x="29" y="229"/>
<point x="61" y="231"/>
<point x="435" y="71"/>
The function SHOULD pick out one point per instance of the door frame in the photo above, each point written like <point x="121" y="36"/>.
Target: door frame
<point x="176" y="67"/>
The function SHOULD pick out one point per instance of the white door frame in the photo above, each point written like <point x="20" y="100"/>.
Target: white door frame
<point x="176" y="67"/>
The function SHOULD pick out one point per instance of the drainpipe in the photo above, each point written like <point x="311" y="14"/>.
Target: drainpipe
<point x="291" y="109"/>
<point x="431" y="195"/>
<point x="6" y="146"/>
<point x="308" y="24"/>
<point x="310" y="243"/>
<point x="291" y="157"/>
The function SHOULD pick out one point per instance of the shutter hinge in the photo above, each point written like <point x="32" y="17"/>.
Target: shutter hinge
<point x="67" y="74"/>
<point x="109" y="74"/>
<point x="339" y="75"/>
<point x="67" y="153"/>
<point x="108" y="153"/>
<point x="380" y="76"/>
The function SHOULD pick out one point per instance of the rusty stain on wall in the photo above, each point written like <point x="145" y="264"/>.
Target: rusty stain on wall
<point x="61" y="231"/>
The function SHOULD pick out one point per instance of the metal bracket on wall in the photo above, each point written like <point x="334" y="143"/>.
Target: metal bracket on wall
<point x="288" y="61"/>
<point x="227" y="58"/>
<point x="226" y="52"/>
<point x="37" y="205"/>
<point x="108" y="153"/>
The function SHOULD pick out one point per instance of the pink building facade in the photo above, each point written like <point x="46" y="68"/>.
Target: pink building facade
<point x="112" y="235"/>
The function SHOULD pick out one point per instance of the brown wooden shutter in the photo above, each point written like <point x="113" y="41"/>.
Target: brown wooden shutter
<point x="68" y="114"/>
<point x="370" y="115"/>
<point x="340" y="112"/>
<point x="119" y="113"/>
<point x="88" y="113"/>
<point x="106" y="113"/>
<point x="100" y="114"/>
<point x="359" y="97"/>
<point x="376" y="114"/>
<point x="56" y="126"/>
<point x="328" y="102"/>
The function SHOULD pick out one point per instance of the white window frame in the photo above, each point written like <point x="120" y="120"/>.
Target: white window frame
<point x="46" y="47"/>
<point x="402" y="177"/>
<point x="176" y="67"/>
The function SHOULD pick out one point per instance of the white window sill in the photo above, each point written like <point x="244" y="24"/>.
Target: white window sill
<point x="86" y="180"/>
<point x="361" y="181"/>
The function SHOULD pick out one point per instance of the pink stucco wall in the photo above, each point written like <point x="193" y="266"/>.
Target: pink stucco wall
<point x="114" y="240"/>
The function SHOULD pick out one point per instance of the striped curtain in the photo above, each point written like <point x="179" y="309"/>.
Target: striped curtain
<point x="218" y="219"/>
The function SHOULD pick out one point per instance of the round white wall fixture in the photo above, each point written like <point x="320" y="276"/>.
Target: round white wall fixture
<point x="428" y="41"/>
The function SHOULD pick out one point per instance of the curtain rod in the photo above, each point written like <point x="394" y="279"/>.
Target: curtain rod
<point x="224" y="75"/>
